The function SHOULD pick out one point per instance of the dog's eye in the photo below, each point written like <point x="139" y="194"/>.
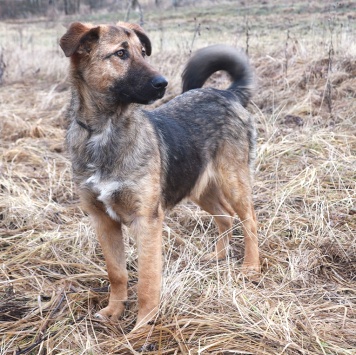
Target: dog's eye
<point x="120" y="53"/>
<point x="143" y="52"/>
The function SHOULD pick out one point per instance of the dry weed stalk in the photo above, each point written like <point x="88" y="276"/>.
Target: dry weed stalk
<point x="247" y="34"/>
<point x="195" y="33"/>
<point x="286" y="54"/>
<point x="330" y="57"/>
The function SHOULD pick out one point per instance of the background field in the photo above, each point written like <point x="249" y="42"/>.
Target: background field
<point x="52" y="273"/>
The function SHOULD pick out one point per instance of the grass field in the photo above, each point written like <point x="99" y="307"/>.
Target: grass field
<point x="52" y="274"/>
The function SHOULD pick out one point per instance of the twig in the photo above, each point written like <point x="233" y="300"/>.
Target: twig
<point x="286" y="54"/>
<point x="330" y="58"/>
<point x="247" y="32"/>
<point x="2" y="65"/>
<point x="196" y="31"/>
<point x="38" y="342"/>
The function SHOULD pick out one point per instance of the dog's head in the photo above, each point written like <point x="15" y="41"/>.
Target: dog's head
<point x="110" y="60"/>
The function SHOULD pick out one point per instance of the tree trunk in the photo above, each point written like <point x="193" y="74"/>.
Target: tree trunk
<point x="71" y="7"/>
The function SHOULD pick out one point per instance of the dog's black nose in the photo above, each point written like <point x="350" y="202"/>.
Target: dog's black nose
<point x="159" y="82"/>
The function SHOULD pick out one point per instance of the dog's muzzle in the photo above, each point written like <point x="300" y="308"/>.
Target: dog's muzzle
<point x="159" y="83"/>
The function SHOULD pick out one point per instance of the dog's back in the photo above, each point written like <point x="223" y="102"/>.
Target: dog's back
<point x="196" y="126"/>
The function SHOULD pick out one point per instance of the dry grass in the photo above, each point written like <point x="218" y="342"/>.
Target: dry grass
<point x="53" y="276"/>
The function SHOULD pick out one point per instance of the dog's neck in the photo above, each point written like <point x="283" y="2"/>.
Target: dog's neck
<point x="92" y="111"/>
<point x="85" y="126"/>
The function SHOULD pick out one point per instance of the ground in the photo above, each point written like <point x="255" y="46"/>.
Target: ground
<point x="53" y="276"/>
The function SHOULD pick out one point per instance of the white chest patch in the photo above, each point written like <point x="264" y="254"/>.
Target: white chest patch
<point x="105" y="191"/>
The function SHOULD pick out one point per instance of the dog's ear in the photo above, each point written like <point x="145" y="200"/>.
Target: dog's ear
<point x="79" y="37"/>
<point x="140" y="33"/>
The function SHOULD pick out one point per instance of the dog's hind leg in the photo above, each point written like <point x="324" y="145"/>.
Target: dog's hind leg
<point x="111" y="240"/>
<point x="246" y="212"/>
<point x="238" y="191"/>
<point x="214" y="202"/>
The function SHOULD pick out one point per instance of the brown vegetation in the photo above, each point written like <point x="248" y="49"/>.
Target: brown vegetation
<point x="53" y="276"/>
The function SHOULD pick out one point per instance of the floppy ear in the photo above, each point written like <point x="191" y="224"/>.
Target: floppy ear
<point x="140" y="33"/>
<point x="78" y="35"/>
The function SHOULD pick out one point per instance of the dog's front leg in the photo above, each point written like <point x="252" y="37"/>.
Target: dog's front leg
<point x="148" y="233"/>
<point x="110" y="236"/>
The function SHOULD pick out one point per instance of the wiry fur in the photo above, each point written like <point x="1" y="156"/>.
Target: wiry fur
<point x="131" y="165"/>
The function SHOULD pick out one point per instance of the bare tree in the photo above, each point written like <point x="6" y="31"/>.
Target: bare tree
<point x="134" y="5"/>
<point x="2" y="65"/>
<point x="71" y="6"/>
<point x="35" y="3"/>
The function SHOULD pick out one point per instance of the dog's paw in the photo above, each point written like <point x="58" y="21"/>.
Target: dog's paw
<point x="251" y="271"/>
<point x="212" y="257"/>
<point x="108" y="313"/>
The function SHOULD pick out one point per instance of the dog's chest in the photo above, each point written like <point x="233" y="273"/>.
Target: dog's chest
<point x="111" y="194"/>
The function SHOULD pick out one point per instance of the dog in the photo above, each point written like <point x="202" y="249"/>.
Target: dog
<point x="131" y="165"/>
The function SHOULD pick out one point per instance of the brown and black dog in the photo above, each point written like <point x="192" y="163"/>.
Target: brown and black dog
<point x="130" y="165"/>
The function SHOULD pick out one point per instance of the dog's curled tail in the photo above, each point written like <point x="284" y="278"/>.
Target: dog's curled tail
<point x="208" y="60"/>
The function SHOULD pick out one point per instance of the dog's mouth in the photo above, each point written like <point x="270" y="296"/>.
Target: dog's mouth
<point x="125" y="97"/>
<point x="144" y="93"/>
<point x="161" y="93"/>
<point x="159" y="96"/>
<point x="145" y="99"/>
